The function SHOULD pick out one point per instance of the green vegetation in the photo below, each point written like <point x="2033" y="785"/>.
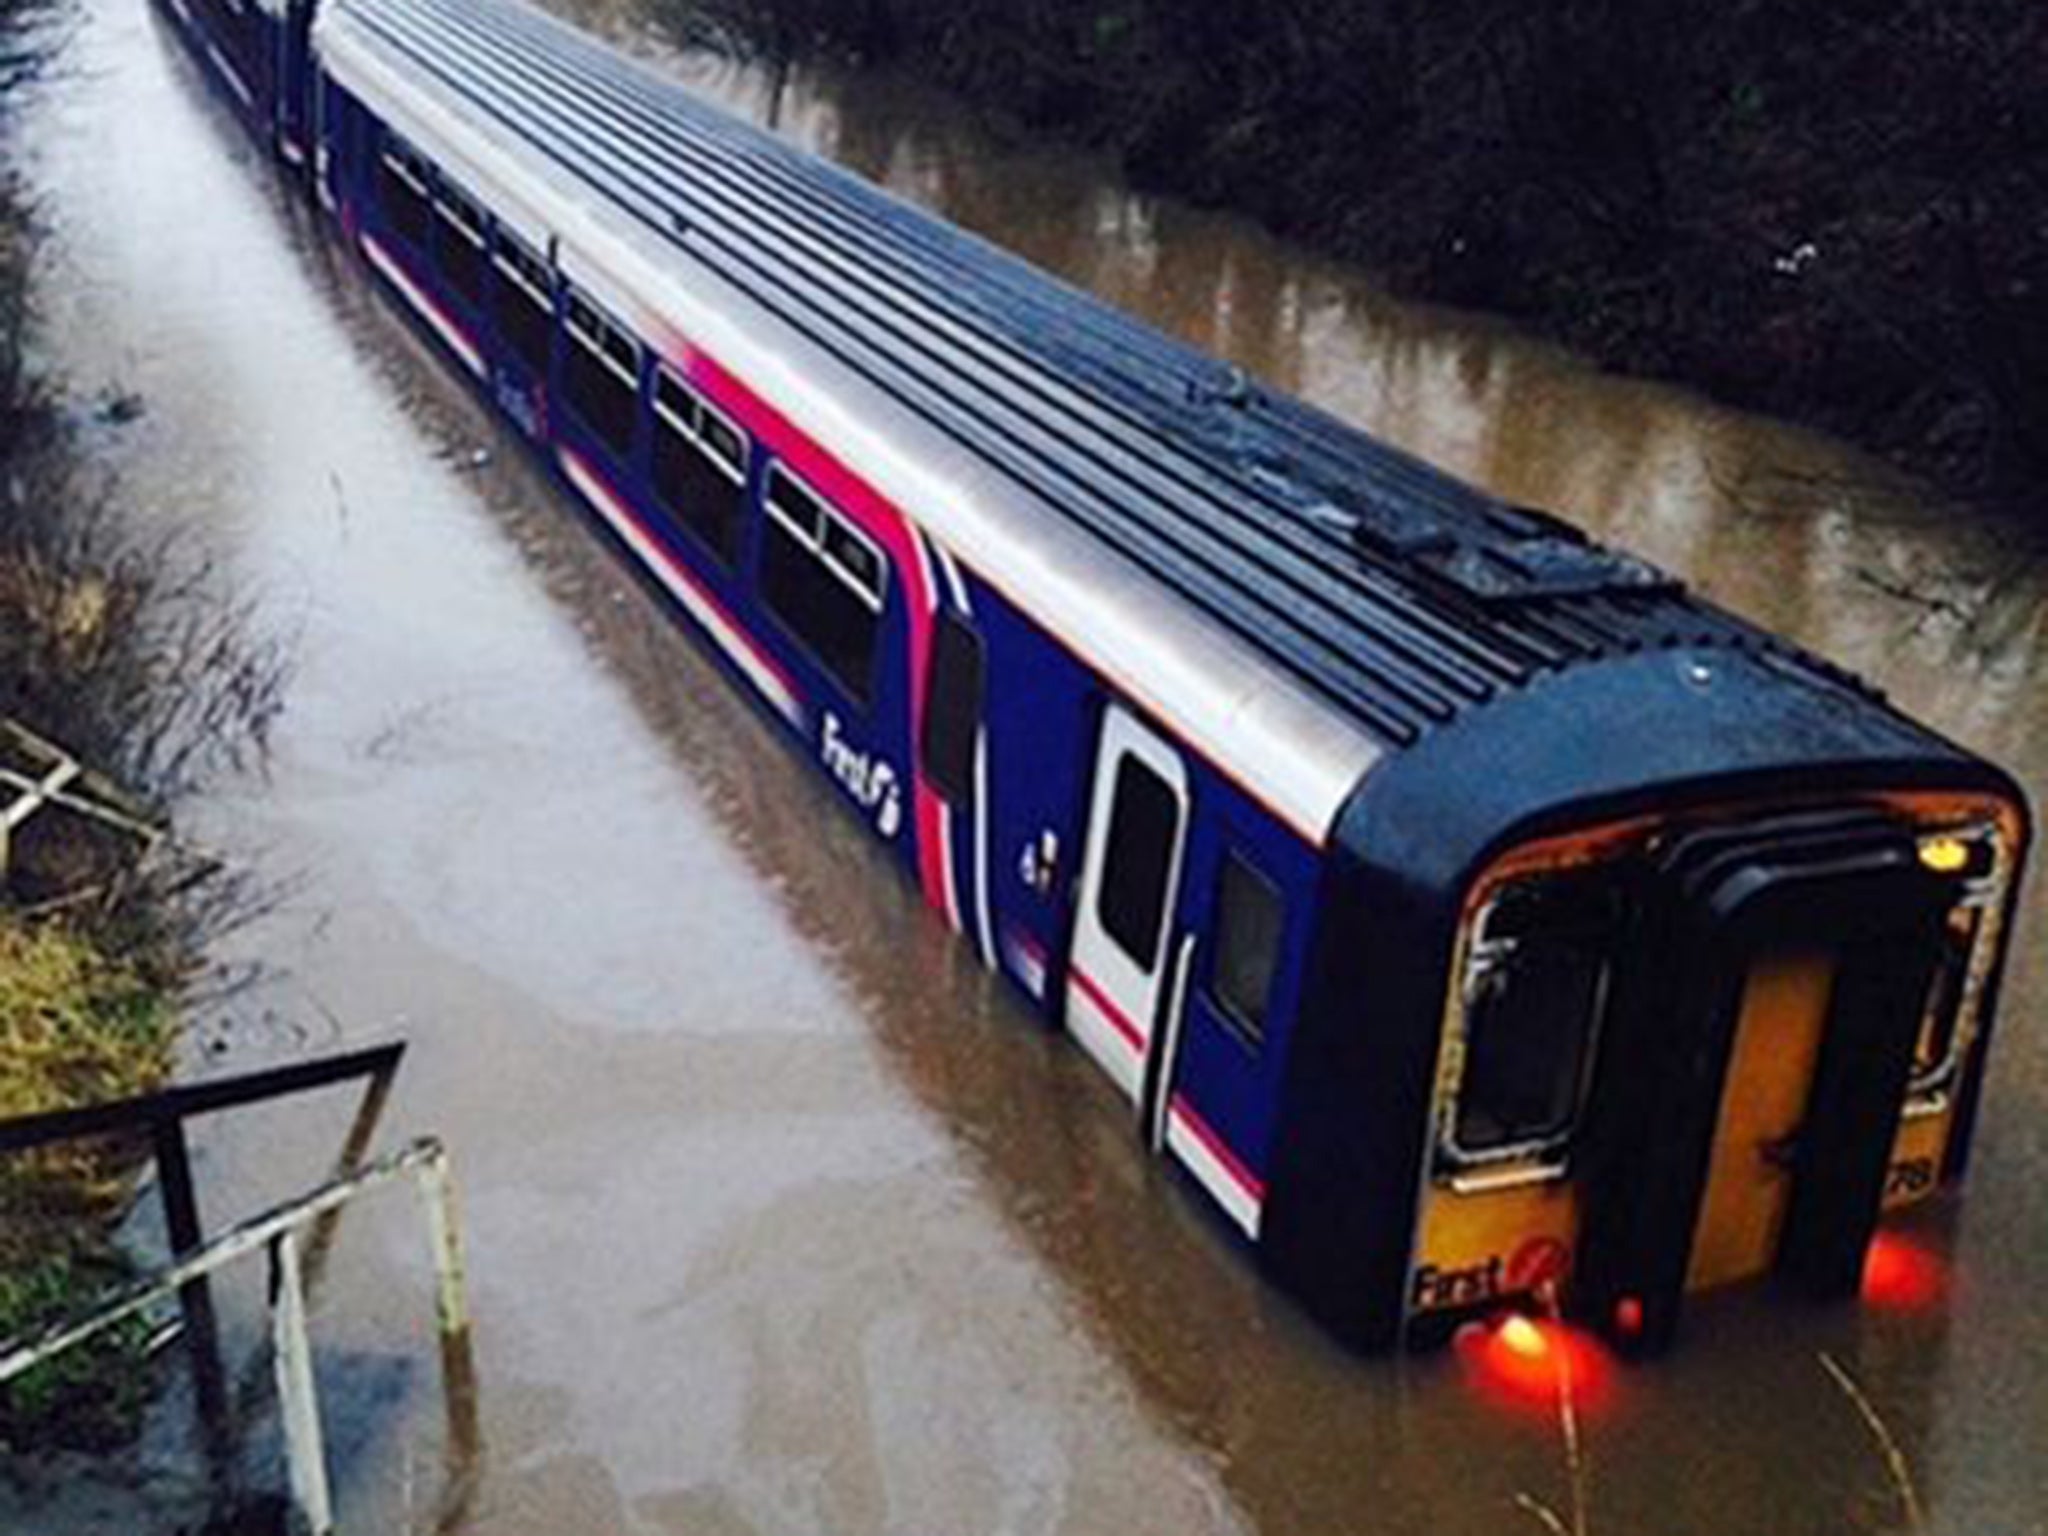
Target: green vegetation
<point x="1827" y="209"/>
<point x="125" y="649"/>
<point x="91" y="1398"/>
<point x="76" y="1026"/>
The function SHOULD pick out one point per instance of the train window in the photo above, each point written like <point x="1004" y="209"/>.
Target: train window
<point x="1144" y="830"/>
<point x="461" y="243"/>
<point x="602" y="375"/>
<point x="1535" y="989"/>
<point x="1249" y="920"/>
<point x="700" y="467"/>
<point x="1935" y="1055"/>
<point x="952" y="709"/>
<point x="824" y="581"/>
<point x="402" y="189"/>
<point x="524" y="303"/>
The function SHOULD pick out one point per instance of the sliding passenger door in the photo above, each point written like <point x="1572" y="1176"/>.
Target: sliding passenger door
<point x="1130" y="881"/>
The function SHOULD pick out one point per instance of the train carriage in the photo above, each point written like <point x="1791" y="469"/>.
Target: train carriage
<point x="1473" y="912"/>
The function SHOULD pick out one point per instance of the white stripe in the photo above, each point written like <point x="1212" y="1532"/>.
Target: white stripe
<point x="953" y="581"/>
<point x="924" y="565"/>
<point x="1110" y="1047"/>
<point x="700" y="607"/>
<point x="425" y="307"/>
<point x="1026" y="965"/>
<point x="1239" y="1203"/>
<point x="981" y="911"/>
<point x="230" y="74"/>
<point x="947" y="888"/>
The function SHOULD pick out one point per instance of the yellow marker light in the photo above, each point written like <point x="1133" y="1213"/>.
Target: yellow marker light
<point x="1945" y="855"/>
<point x="1523" y="1336"/>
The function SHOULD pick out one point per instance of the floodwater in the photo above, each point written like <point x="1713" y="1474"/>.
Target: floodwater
<point x="781" y="1219"/>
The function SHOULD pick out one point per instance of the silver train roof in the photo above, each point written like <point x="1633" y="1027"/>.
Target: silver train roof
<point x="1292" y="596"/>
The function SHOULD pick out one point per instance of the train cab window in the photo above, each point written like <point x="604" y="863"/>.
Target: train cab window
<point x="602" y="375"/>
<point x="952" y="709"/>
<point x="460" y="243"/>
<point x="524" y="303"/>
<point x="824" y="581"/>
<point x="1936" y="1052"/>
<point x="402" y="189"/>
<point x="700" y="467"/>
<point x="1250" y="918"/>
<point x="1535" y="989"/>
<point x="1144" y="831"/>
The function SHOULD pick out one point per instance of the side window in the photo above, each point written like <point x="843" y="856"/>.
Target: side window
<point x="825" y="582"/>
<point x="700" y="467"/>
<point x="1250" y="919"/>
<point x="1535" y="989"/>
<point x="602" y="375"/>
<point x="952" y="709"/>
<point x="402" y="189"/>
<point x="1144" y="828"/>
<point x="524" y="304"/>
<point x="460" y="243"/>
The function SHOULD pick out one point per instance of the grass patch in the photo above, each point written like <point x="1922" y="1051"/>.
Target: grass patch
<point x="90" y="1398"/>
<point x="76" y="1026"/>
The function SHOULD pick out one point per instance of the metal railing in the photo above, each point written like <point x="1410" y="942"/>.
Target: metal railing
<point x="283" y="1234"/>
<point x="162" y="1116"/>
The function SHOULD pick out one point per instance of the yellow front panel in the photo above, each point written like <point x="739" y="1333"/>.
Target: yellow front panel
<point x="1770" y="1075"/>
<point x="1484" y="1244"/>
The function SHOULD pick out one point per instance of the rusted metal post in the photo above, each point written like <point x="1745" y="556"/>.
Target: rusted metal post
<point x="451" y="1283"/>
<point x="298" y="1399"/>
<point x="436" y="1189"/>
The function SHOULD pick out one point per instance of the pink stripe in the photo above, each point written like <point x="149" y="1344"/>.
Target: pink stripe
<point x="1216" y="1147"/>
<point x="879" y="521"/>
<point x="1110" y="1011"/>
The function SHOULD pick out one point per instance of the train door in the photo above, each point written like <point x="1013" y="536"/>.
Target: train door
<point x="1756" y="1064"/>
<point x="1130" y="882"/>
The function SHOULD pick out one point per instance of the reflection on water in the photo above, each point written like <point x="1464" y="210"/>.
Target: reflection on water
<point x="781" y="1218"/>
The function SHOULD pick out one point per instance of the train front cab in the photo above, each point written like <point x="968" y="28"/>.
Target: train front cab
<point x="1675" y="1053"/>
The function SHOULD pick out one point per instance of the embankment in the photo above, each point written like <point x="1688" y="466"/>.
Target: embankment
<point x="120" y="643"/>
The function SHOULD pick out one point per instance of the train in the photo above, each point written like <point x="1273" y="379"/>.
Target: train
<point x="1477" y="917"/>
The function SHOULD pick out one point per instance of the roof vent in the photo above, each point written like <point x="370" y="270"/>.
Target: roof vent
<point x="1500" y="554"/>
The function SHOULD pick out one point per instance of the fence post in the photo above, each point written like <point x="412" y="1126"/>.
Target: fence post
<point x="181" y="1224"/>
<point x="299" y="1403"/>
<point x="451" y="1290"/>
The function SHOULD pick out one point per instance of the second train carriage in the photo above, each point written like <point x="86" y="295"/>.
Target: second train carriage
<point x="1472" y="912"/>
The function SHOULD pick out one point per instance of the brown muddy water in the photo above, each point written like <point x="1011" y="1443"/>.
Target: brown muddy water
<point x="781" y="1218"/>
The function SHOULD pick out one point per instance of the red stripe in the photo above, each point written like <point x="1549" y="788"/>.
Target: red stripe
<point x="880" y="521"/>
<point x="1216" y="1147"/>
<point x="1110" y="1011"/>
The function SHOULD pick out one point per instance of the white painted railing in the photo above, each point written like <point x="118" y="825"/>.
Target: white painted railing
<point x="282" y="1233"/>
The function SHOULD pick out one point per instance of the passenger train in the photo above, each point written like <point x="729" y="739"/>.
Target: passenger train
<point x="1477" y="916"/>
